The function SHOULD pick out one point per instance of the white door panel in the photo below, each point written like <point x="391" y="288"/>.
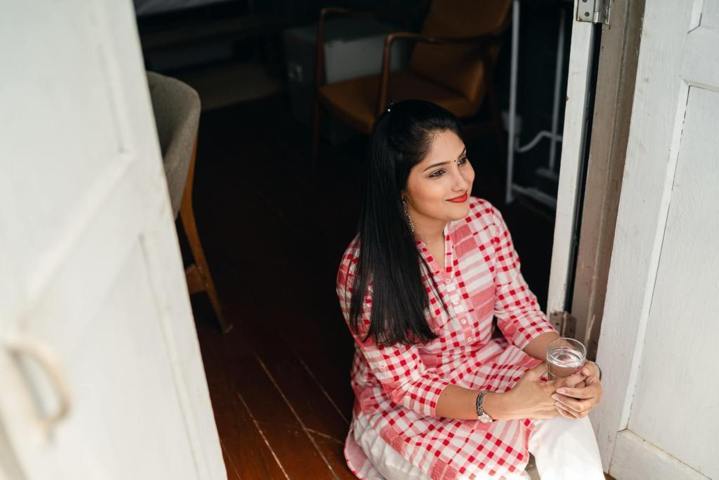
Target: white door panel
<point x="90" y="260"/>
<point x="637" y="459"/>
<point x="677" y="360"/>
<point x="151" y="419"/>
<point x="660" y="414"/>
<point x="66" y="96"/>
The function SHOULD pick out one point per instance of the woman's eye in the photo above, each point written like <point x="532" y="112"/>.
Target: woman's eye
<point x="462" y="161"/>
<point x="437" y="173"/>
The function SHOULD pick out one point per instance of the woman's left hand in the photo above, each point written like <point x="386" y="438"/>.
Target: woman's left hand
<point x="577" y="402"/>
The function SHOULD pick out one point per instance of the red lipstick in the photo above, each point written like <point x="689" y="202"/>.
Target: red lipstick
<point x="461" y="199"/>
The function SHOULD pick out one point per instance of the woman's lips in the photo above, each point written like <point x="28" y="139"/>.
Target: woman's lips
<point x="461" y="199"/>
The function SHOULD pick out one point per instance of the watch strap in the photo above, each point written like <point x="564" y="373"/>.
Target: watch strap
<point x="482" y="416"/>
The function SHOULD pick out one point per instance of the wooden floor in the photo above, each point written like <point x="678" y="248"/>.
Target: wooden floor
<point x="273" y="233"/>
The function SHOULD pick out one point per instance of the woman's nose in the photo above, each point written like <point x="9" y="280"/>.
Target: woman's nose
<point x="460" y="182"/>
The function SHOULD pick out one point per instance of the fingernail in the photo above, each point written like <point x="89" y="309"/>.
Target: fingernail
<point x="561" y="390"/>
<point x="555" y="397"/>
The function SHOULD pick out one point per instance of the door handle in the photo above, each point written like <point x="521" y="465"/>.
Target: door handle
<point x="24" y="348"/>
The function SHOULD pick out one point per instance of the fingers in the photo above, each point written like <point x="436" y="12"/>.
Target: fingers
<point x="574" y="381"/>
<point x="590" y="369"/>
<point x="578" y="408"/>
<point x="567" y="413"/>
<point x="590" y="391"/>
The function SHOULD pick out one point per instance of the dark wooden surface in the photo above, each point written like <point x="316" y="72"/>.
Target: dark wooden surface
<point x="273" y="235"/>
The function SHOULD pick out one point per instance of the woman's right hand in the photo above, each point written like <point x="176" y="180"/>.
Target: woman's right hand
<point x="532" y="396"/>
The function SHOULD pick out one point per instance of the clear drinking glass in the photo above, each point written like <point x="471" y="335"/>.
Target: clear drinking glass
<point x="565" y="356"/>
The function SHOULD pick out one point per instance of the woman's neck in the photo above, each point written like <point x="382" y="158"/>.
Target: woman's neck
<point x="430" y="232"/>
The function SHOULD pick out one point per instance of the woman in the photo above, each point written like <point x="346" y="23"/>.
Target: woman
<point x="437" y="397"/>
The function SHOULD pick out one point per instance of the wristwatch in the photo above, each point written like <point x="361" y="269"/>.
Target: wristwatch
<point x="482" y="416"/>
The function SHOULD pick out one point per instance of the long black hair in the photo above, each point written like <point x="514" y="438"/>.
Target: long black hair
<point x="388" y="254"/>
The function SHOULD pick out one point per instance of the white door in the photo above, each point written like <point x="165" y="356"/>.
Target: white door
<point x="659" y="418"/>
<point x="100" y="371"/>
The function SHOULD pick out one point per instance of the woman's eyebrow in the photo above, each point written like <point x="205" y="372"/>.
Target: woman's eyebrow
<point x="436" y="165"/>
<point x="463" y="154"/>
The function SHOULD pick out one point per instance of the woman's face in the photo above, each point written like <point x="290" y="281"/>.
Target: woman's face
<point x="439" y="186"/>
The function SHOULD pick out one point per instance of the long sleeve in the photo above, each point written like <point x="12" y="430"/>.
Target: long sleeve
<point x="399" y="369"/>
<point x="518" y="314"/>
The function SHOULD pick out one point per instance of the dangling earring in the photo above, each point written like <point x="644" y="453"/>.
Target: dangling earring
<point x="406" y="214"/>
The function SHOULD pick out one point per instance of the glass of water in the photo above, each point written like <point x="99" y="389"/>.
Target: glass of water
<point x="565" y="356"/>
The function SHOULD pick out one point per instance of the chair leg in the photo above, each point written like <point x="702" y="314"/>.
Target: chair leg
<point x="198" y="275"/>
<point x="200" y="268"/>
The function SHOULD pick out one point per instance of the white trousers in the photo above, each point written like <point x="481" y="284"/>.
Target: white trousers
<point x="563" y="449"/>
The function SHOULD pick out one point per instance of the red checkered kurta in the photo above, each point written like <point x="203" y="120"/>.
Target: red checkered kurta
<point x="397" y="387"/>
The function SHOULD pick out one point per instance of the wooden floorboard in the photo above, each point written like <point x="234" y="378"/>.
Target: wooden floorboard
<point x="247" y="454"/>
<point x="309" y="401"/>
<point x="273" y="403"/>
<point x="291" y="443"/>
<point x="325" y="349"/>
<point x="232" y="471"/>
<point x="309" y="398"/>
<point x="334" y="452"/>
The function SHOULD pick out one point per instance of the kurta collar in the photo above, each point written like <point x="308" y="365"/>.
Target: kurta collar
<point x="449" y="255"/>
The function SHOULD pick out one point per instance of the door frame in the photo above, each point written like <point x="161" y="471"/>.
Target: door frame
<point x="613" y="106"/>
<point x="607" y="139"/>
<point x="614" y="99"/>
<point x="574" y="135"/>
<point x="594" y="213"/>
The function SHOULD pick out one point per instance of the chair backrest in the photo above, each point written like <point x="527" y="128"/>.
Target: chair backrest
<point x="177" y="107"/>
<point x="459" y="67"/>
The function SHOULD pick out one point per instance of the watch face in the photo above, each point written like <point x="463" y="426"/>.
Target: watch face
<point x="485" y="418"/>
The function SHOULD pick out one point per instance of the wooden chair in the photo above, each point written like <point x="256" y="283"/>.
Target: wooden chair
<point x="452" y="65"/>
<point x="177" y="114"/>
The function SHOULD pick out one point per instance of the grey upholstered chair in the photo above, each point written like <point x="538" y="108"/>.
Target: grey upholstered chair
<point x="177" y="115"/>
